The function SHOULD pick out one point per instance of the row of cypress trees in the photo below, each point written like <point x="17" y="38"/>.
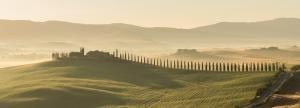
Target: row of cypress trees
<point x="200" y="66"/>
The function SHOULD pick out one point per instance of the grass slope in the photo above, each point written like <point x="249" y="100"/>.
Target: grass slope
<point x="96" y="83"/>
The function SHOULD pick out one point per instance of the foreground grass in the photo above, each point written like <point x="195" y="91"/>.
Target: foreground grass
<point x="92" y="84"/>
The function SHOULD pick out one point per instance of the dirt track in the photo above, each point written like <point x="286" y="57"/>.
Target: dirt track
<point x="288" y="96"/>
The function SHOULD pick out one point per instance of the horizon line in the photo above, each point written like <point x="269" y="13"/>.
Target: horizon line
<point x="143" y="26"/>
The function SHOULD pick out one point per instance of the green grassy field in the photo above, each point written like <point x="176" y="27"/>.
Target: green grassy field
<point x="93" y="84"/>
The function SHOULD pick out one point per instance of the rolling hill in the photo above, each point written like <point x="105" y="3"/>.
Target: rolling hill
<point x="283" y="31"/>
<point x="95" y="83"/>
<point x="268" y="54"/>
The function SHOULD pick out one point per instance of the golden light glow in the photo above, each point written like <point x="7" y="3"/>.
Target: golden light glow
<point x="167" y="13"/>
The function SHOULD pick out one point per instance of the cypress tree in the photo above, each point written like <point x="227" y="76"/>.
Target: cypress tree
<point x="202" y="66"/>
<point x="117" y="53"/>
<point x="188" y="65"/>
<point x="227" y="67"/>
<point x="247" y="67"/>
<point x="254" y="67"/>
<point x="209" y="66"/>
<point x="266" y="67"/>
<point x="177" y="64"/>
<point x="213" y="66"/>
<point x="198" y="66"/>
<point x="191" y="65"/>
<point x="205" y="66"/>
<point x="160" y="63"/>
<point x="171" y="64"/>
<point x="168" y="63"/>
<point x="235" y="67"/>
<point x="270" y="67"/>
<point x="224" y="67"/>
<point x="274" y="67"/>
<point x="184" y="65"/>
<point x="181" y="65"/>
<point x="218" y="67"/>
<point x="262" y="67"/>
<point x="164" y="66"/>
<point x="257" y="67"/>
<point x="157" y="60"/>
<point x="231" y="67"/>
<point x="126" y="56"/>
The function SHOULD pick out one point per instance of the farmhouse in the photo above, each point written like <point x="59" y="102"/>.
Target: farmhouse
<point x="81" y="54"/>
<point x="77" y="54"/>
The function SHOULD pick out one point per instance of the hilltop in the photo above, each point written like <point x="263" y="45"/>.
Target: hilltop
<point x="96" y="83"/>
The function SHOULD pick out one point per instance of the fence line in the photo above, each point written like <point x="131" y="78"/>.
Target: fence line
<point x="200" y="66"/>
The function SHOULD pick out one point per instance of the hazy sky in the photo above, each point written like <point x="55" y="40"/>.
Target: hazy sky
<point x="167" y="13"/>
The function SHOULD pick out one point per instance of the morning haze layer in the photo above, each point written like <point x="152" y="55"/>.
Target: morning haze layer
<point x="276" y="32"/>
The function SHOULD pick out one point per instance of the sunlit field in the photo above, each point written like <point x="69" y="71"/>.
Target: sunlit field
<point x="95" y="83"/>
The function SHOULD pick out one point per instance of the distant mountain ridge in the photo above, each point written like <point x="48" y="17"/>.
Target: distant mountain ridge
<point x="273" y="32"/>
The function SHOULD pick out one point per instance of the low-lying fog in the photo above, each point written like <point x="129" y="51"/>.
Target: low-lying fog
<point x="17" y="55"/>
